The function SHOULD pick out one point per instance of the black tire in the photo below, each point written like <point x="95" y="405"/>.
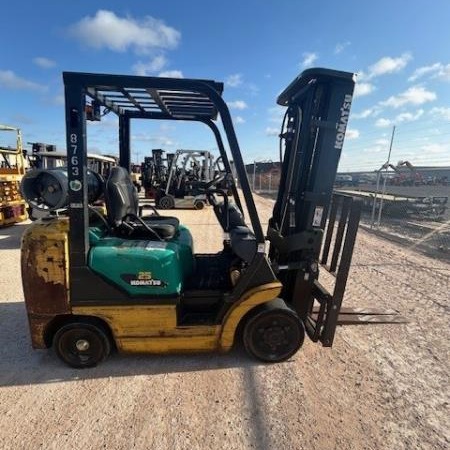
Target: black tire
<point x="199" y="204"/>
<point x="273" y="334"/>
<point x="166" y="202"/>
<point x="70" y="339"/>
<point x="30" y="214"/>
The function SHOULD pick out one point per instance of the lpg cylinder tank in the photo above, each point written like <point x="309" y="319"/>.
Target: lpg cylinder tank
<point x="48" y="189"/>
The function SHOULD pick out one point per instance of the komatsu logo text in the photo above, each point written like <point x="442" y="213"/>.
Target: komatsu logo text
<point x="342" y="125"/>
<point x="142" y="279"/>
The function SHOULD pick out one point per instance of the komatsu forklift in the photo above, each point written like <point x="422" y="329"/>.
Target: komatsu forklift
<point x="95" y="282"/>
<point x="188" y="171"/>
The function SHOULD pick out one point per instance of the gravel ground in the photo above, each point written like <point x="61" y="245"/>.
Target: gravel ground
<point x="379" y="387"/>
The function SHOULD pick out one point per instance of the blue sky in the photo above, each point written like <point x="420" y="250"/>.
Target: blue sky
<point x="399" y="49"/>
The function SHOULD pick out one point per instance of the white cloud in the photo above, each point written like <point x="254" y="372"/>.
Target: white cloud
<point x="165" y="141"/>
<point x="382" y="141"/>
<point x="352" y="133"/>
<point x="9" y="80"/>
<point x="400" y="118"/>
<point x="425" y="70"/>
<point x="444" y="73"/>
<point x="234" y="80"/>
<point x="415" y="95"/>
<point x="409" y="117"/>
<point x="239" y="120"/>
<point x="387" y="65"/>
<point x="437" y="70"/>
<point x="441" y="112"/>
<point x="171" y="74"/>
<point x="369" y="112"/>
<point x="309" y="59"/>
<point x="45" y="63"/>
<point x="380" y="146"/>
<point x="362" y="89"/>
<point x="340" y="47"/>
<point x="155" y="64"/>
<point x="120" y="34"/>
<point x="436" y="148"/>
<point x="238" y="104"/>
<point x="272" y="131"/>
<point x="383" y="123"/>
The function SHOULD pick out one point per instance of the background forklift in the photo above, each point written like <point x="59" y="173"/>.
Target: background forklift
<point x="188" y="172"/>
<point x="93" y="282"/>
<point x="12" y="168"/>
<point x="154" y="171"/>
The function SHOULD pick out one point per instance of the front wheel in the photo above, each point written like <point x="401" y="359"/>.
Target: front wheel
<point x="81" y="345"/>
<point x="166" y="202"/>
<point x="274" y="334"/>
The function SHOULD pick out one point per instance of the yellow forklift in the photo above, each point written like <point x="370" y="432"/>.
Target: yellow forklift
<point x="12" y="168"/>
<point x="95" y="282"/>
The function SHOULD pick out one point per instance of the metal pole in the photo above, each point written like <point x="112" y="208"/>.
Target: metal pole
<point x="254" y="175"/>
<point x="372" y="219"/>
<point x="385" y="177"/>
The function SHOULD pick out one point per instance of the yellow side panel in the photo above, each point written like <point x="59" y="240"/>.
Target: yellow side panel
<point x="252" y="298"/>
<point x="168" y="344"/>
<point x="136" y="320"/>
<point x="153" y="329"/>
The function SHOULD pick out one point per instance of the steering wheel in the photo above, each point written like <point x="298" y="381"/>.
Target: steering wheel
<point x="214" y="181"/>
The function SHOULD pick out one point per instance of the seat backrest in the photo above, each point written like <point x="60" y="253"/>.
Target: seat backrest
<point x="120" y="195"/>
<point x="233" y="216"/>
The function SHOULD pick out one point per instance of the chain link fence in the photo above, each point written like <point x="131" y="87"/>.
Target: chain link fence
<point x="404" y="203"/>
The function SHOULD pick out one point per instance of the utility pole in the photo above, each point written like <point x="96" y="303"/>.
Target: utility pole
<point x="383" y="191"/>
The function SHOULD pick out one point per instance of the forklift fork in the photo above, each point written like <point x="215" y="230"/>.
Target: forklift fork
<point x="325" y="311"/>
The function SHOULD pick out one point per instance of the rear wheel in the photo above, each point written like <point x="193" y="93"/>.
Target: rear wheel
<point x="199" y="204"/>
<point x="81" y="344"/>
<point x="274" y="334"/>
<point x="166" y="202"/>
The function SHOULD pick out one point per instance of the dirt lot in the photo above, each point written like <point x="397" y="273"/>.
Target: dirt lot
<point x="380" y="387"/>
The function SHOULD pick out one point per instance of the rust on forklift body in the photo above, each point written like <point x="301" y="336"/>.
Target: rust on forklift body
<point x="44" y="263"/>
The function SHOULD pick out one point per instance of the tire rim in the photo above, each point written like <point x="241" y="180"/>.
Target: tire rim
<point x="81" y="347"/>
<point x="165" y="203"/>
<point x="275" y="336"/>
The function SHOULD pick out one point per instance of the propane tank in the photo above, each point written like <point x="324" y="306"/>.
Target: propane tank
<point x="48" y="189"/>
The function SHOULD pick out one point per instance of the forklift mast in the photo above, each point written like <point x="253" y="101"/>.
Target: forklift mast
<point x="318" y="106"/>
<point x="316" y="121"/>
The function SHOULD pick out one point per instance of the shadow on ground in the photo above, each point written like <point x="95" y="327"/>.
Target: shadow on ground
<point x="10" y="236"/>
<point x="21" y="365"/>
